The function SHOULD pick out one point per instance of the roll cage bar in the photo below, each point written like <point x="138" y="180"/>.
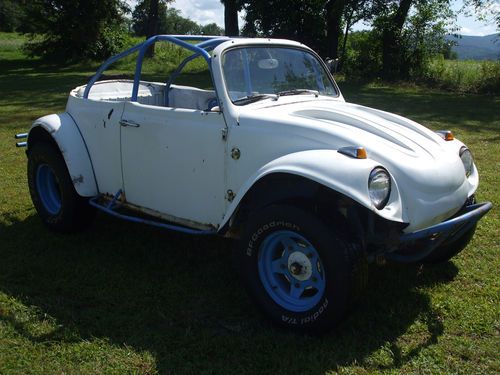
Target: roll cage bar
<point x="207" y="43"/>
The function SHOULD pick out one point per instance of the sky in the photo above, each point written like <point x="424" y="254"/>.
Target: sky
<point x="208" y="11"/>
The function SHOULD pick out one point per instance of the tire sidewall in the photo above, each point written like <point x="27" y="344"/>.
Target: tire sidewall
<point x="335" y="257"/>
<point x="43" y="153"/>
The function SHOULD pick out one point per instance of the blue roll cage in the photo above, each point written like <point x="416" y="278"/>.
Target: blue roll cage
<point x="207" y="43"/>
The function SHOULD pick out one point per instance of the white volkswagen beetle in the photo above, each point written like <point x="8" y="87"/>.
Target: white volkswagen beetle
<point x="311" y="186"/>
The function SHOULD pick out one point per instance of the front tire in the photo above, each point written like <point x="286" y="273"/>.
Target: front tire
<point x="298" y="270"/>
<point x="52" y="192"/>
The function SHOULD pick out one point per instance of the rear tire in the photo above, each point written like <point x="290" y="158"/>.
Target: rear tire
<point x="52" y="192"/>
<point x="299" y="272"/>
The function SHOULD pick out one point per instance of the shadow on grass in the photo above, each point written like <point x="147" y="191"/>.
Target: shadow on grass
<point x="179" y="298"/>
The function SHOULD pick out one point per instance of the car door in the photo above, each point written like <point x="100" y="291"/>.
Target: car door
<point x="173" y="162"/>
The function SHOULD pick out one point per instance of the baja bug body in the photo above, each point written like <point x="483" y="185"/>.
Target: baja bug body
<point x="312" y="186"/>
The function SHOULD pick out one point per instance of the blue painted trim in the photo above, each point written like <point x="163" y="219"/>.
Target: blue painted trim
<point x="112" y="202"/>
<point x="180" y="40"/>
<point x="176" y="73"/>
<point x="207" y="45"/>
<point x="47" y="188"/>
<point x="109" y="209"/>
<point x="287" y="290"/>
<point x="453" y="227"/>
<point x="106" y="65"/>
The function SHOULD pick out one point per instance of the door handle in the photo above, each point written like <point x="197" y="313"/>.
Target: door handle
<point x="129" y="123"/>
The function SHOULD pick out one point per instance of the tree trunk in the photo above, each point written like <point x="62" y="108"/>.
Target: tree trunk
<point x="348" y="22"/>
<point x="391" y="48"/>
<point x="334" y="11"/>
<point x="231" y="18"/>
<point x="152" y="24"/>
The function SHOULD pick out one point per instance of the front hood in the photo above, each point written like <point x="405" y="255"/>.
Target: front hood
<point x="426" y="169"/>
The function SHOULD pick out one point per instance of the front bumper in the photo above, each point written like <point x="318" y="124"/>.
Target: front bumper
<point x="432" y="237"/>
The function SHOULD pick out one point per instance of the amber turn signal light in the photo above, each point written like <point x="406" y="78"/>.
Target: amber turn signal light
<point x="447" y="135"/>
<point x="354" y="152"/>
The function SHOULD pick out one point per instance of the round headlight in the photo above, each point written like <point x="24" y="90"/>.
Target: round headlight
<point x="467" y="160"/>
<point x="379" y="187"/>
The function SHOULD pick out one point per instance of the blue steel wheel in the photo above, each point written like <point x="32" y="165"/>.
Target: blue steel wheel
<point x="52" y="192"/>
<point x="48" y="189"/>
<point x="291" y="271"/>
<point x="298" y="271"/>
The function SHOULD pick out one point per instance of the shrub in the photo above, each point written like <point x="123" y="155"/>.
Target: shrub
<point x="463" y="76"/>
<point x="75" y="29"/>
<point x="363" y="58"/>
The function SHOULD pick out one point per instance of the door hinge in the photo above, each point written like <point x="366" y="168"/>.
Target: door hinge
<point x="224" y="133"/>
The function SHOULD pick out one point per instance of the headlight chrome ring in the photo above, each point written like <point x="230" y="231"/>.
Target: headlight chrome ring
<point x="379" y="187"/>
<point x="467" y="160"/>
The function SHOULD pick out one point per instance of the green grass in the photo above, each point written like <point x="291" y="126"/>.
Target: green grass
<point x="126" y="298"/>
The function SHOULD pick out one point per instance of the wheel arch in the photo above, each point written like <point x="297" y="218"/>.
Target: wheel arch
<point x="324" y="179"/>
<point x="61" y="131"/>
<point x="275" y="189"/>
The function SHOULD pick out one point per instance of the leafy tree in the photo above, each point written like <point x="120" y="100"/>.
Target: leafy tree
<point x="294" y="19"/>
<point x="11" y="13"/>
<point x="173" y="23"/>
<point x="363" y="57"/>
<point x="76" y="29"/>
<point x="170" y="21"/>
<point x="354" y="11"/>
<point x="212" y="29"/>
<point x="423" y="35"/>
<point x="486" y="10"/>
<point x="140" y="17"/>
<point x="148" y="19"/>
<point x="390" y="24"/>
<point x="410" y="32"/>
<point x="406" y="33"/>
<point x="307" y="21"/>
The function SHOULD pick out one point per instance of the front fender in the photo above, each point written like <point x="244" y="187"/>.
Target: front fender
<point x="66" y="134"/>
<point x="344" y="174"/>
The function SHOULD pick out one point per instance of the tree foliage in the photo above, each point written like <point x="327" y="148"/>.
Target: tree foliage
<point x="11" y="13"/>
<point x="299" y="20"/>
<point x="76" y="29"/>
<point x="211" y="29"/>
<point x="170" y="21"/>
<point x="485" y="10"/>
<point x="410" y="32"/>
<point x="142" y="13"/>
<point x="320" y="24"/>
<point x="405" y="34"/>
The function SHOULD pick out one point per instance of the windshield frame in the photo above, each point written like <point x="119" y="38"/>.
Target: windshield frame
<point x="283" y="46"/>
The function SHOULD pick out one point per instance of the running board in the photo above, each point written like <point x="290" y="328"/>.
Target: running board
<point x="113" y="205"/>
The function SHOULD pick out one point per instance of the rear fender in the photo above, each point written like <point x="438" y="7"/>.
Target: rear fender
<point x="343" y="174"/>
<point x="68" y="138"/>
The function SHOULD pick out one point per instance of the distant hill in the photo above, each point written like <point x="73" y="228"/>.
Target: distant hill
<point x="476" y="47"/>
